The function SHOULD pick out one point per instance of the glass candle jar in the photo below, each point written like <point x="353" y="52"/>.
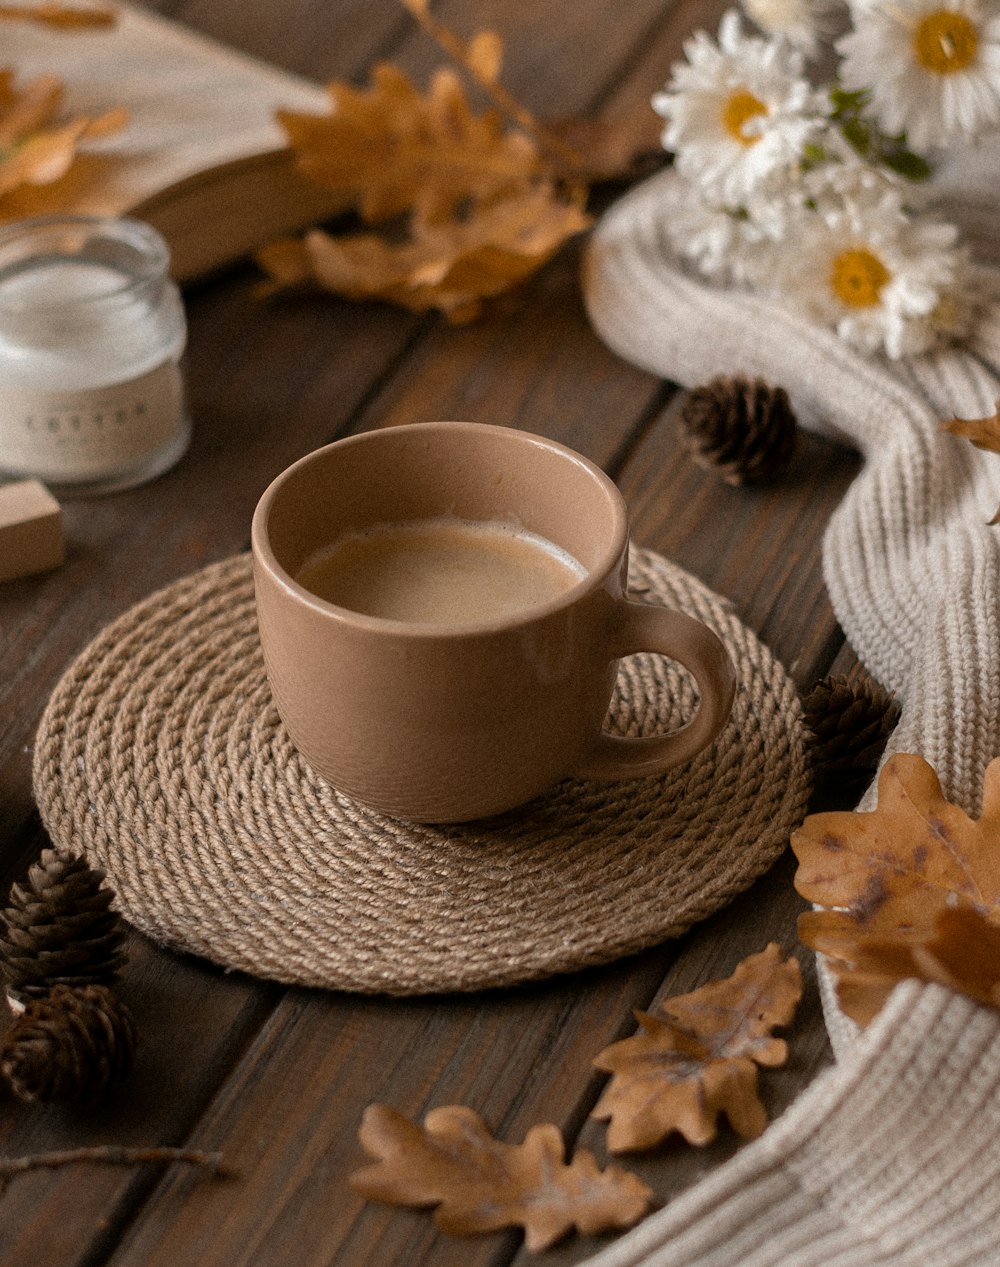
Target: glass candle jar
<point x="91" y="335"/>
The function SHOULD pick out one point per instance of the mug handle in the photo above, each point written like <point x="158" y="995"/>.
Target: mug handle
<point x="640" y="627"/>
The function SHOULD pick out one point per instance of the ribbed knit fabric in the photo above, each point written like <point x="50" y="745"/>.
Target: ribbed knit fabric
<point x="913" y="572"/>
<point x="890" y="1159"/>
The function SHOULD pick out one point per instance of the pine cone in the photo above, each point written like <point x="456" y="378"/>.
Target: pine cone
<point x="849" y="726"/>
<point x="59" y="928"/>
<point x="73" y="1045"/>
<point x="743" y="428"/>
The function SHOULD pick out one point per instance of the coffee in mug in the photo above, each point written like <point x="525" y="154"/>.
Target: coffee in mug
<point x="440" y="692"/>
<point x="443" y="571"/>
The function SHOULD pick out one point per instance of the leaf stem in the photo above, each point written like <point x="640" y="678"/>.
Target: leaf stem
<point x="498" y="94"/>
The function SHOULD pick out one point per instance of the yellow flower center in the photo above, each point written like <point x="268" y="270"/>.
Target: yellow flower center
<point x="741" y="106"/>
<point x="857" y="277"/>
<point x="945" y="42"/>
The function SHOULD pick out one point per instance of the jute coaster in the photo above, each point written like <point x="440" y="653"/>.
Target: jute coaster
<point x="161" y="758"/>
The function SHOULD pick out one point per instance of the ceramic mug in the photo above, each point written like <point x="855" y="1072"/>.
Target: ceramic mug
<point x="449" y="722"/>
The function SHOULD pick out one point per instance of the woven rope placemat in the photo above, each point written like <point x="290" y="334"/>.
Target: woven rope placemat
<point x="160" y="757"/>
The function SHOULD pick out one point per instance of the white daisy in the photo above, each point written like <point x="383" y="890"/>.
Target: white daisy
<point x="845" y="181"/>
<point x="932" y="66"/>
<point x="803" y="23"/>
<point x="723" y="245"/>
<point x="738" y="113"/>
<point x="876" y="276"/>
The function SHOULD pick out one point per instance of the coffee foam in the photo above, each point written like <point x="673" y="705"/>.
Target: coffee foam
<point x="444" y="570"/>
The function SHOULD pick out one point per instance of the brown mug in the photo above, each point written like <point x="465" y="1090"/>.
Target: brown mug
<point x="444" y="722"/>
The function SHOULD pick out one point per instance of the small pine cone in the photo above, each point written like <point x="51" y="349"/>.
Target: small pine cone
<point x="59" y="929"/>
<point x="849" y="725"/>
<point x="73" y="1045"/>
<point x="743" y="428"/>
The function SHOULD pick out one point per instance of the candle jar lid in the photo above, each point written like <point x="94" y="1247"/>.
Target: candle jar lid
<point x="91" y="335"/>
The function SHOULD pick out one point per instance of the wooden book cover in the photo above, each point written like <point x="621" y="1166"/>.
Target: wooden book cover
<point x="202" y="158"/>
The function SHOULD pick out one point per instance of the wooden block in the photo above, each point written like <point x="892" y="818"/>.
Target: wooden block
<point x="31" y="534"/>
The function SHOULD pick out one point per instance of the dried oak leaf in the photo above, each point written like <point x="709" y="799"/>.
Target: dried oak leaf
<point x="867" y="966"/>
<point x="451" y="267"/>
<point x="480" y="1184"/>
<point x="912" y="883"/>
<point x="34" y="149"/>
<point x="960" y="949"/>
<point x="701" y="1058"/>
<point x="963" y="953"/>
<point x="477" y="204"/>
<point x="984" y="433"/>
<point x="391" y="150"/>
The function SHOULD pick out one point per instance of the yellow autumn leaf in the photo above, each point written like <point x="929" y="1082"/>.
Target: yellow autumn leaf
<point x="484" y="55"/>
<point x="389" y="149"/>
<point x="34" y="148"/>
<point x="451" y="267"/>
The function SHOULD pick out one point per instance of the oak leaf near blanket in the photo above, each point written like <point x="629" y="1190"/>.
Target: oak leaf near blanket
<point x="909" y="889"/>
<point x="699" y="1058"/>
<point x="480" y="1184"/>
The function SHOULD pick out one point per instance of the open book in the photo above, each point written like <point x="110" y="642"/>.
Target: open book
<point x="202" y="158"/>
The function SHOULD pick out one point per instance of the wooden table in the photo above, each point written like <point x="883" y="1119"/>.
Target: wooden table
<point x="276" y="1079"/>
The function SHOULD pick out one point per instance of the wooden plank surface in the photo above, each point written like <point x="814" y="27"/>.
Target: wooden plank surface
<point x="277" y="1079"/>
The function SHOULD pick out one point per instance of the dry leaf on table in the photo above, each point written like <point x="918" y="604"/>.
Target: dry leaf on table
<point x="483" y="208"/>
<point x="34" y="149"/>
<point x="984" y="434"/>
<point x="452" y="266"/>
<point x="389" y="149"/>
<point x="480" y="1184"/>
<point x="700" y="1058"/>
<point x="910" y="889"/>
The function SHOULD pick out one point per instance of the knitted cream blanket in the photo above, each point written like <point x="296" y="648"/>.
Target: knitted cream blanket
<point x="893" y="1155"/>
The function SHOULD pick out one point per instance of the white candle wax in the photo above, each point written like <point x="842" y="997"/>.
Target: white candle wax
<point x="77" y="325"/>
<point x="91" y="334"/>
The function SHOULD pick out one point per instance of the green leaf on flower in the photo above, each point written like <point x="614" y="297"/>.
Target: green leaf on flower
<point x="813" y="155"/>
<point x="908" y="164"/>
<point x="858" y="135"/>
<point x="846" y="102"/>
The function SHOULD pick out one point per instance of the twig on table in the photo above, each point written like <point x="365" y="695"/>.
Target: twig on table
<point x="104" y="1155"/>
